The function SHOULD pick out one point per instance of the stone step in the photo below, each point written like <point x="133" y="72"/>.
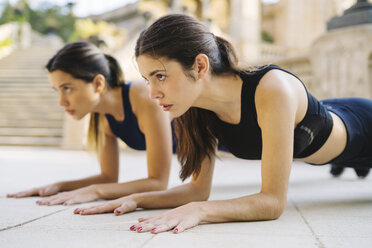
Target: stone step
<point x="33" y="115"/>
<point x="31" y="123"/>
<point x="23" y="80"/>
<point x="30" y="141"/>
<point x="31" y="132"/>
<point x="32" y="101"/>
<point x="30" y="91"/>
<point x="28" y="108"/>
<point x="24" y="84"/>
<point x="12" y="95"/>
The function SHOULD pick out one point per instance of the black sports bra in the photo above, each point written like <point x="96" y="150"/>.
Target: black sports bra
<point x="244" y="139"/>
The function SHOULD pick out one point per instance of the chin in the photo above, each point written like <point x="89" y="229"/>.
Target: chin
<point x="174" y="114"/>
<point x="78" y="117"/>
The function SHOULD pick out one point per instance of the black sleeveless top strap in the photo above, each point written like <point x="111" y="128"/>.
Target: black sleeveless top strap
<point x="244" y="139"/>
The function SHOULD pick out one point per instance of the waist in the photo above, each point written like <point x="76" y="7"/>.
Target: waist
<point x="334" y="145"/>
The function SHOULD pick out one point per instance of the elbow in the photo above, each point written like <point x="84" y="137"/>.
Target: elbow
<point x="159" y="183"/>
<point x="110" y="178"/>
<point x="200" y="193"/>
<point x="274" y="207"/>
<point x="275" y="212"/>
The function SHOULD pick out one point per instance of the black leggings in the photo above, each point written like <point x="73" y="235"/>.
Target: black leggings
<point x="356" y="113"/>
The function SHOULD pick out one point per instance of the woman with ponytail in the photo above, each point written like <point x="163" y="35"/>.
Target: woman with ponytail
<point x="90" y="82"/>
<point x="264" y="113"/>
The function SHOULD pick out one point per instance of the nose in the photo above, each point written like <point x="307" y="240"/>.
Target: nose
<point x="62" y="101"/>
<point x="155" y="93"/>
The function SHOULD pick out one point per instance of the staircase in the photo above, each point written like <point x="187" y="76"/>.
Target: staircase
<point x="29" y="111"/>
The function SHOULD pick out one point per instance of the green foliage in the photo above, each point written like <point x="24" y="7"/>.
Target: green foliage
<point x="266" y="37"/>
<point x="48" y="18"/>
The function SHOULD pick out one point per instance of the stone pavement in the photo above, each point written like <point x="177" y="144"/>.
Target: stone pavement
<point x="322" y="212"/>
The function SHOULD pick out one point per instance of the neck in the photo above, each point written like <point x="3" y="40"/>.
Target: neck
<point x="221" y="95"/>
<point x="111" y="103"/>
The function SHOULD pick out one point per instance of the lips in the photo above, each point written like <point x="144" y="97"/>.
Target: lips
<point x="166" y="107"/>
<point x="71" y="112"/>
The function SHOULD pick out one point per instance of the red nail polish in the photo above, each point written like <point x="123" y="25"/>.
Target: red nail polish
<point x="175" y="230"/>
<point x="139" y="229"/>
<point x="76" y="210"/>
<point x="132" y="228"/>
<point x="117" y="211"/>
<point x="153" y="230"/>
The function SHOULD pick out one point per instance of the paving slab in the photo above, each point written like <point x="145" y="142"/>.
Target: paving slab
<point x="321" y="212"/>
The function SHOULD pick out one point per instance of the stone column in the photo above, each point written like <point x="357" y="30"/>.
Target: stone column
<point x="245" y="28"/>
<point x="340" y="61"/>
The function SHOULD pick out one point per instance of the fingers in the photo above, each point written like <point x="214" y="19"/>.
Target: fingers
<point x="53" y="200"/>
<point x="32" y="192"/>
<point x="125" y="208"/>
<point x="99" y="209"/>
<point x="158" y="225"/>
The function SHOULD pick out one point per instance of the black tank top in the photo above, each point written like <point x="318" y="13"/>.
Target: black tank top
<point x="244" y="139"/>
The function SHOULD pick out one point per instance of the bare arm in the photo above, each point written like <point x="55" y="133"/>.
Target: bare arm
<point x="155" y="125"/>
<point x="197" y="190"/>
<point x="276" y="110"/>
<point x="109" y="162"/>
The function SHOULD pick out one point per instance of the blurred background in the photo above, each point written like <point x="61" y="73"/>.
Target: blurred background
<point x="327" y="43"/>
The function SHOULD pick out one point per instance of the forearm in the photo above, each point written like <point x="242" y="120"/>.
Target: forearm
<point x="115" y="190"/>
<point x="79" y="183"/>
<point x="173" y="197"/>
<point x="248" y="208"/>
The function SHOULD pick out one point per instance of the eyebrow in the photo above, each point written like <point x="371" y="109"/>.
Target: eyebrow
<point x="154" y="72"/>
<point x="62" y="85"/>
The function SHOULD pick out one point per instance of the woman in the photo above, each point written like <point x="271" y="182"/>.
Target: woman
<point x="90" y="82"/>
<point x="264" y="113"/>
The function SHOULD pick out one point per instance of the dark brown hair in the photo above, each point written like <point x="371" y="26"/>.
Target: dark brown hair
<point x="84" y="61"/>
<point x="181" y="38"/>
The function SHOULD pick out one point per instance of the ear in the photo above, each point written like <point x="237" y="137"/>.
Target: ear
<point x="201" y="65"/>
<point x="99" y="83"/>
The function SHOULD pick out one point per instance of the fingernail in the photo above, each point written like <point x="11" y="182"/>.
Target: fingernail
<point x="132" y="228"/>
<point x="117" y="211"/>
<point x="153" y="230"/>
<point x="140" y="219"/>
<point x="76" y="210"/>
<point x="65" y="204"/>
<point x="175" y="230"/>
<point x="139" y="229"/>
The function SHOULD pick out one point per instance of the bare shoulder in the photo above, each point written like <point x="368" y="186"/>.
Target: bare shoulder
<point x="281" y="90"/>
<point x="105" y="126"/>
<point x="274" y="85"/>
<point x="141" y="103"/>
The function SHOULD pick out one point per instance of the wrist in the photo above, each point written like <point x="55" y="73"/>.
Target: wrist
<point x="60" y="186"/>
<point x="138" y="198"/>
<point x="202" y="208"/>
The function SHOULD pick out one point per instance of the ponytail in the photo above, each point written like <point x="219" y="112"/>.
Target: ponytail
<point x="116" y="74"/>
<point x="229" y="59"/>
<point x="114" y="80"/>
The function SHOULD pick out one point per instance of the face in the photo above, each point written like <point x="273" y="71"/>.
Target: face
<point x="168" y="84"/>
<point x="76" y="96"/>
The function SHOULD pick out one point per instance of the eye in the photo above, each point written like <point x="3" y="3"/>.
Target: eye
<point x="67" y="89"/>
<point x="160" y="77"/>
